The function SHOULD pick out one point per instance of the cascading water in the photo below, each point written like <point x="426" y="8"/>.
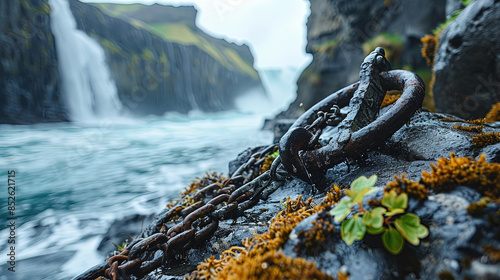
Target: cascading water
<point x="88" y="89"/>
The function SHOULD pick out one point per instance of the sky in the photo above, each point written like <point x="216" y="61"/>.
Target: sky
<point x="275" y="30"/>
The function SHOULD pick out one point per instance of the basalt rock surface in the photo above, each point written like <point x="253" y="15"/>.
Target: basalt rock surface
<point x="467" y="64"/>
<point x="454" y="245"/>
<point x="29" y="74"/>
<point x="337" y="31"/>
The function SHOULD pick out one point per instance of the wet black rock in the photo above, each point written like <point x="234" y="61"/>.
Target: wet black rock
<point x="456" y="238"/>
<point x="29" y="74"/>
<point x="123" y="230"/>
<point x="467" y="68"/>
<point x="337" y="30"/>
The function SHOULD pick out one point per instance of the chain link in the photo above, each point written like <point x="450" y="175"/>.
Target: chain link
<point x="212" y="203"/>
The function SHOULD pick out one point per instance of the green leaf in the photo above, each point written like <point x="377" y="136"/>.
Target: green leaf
<point x="352" y="229"/>
<point x="374" y="218"/>
<point x="342" y="209"/>
<point x="410" y="228"/>
<point x="374" y="231"/>
<point x="120" y="248"/>
<point x="394" y="201"/>
<point x="394" y="212"/>
<point x="362" y="182"/>
<point x="357" y="196"/>
<point x="393" y="241"/>
<point x="360" y="187"/>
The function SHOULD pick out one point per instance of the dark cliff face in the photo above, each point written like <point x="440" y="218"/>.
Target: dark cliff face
<point x="341" y="33"/>
<point x="29" y="76"/>
<point x="467" y="68"/>
<point x="154" y="76"/>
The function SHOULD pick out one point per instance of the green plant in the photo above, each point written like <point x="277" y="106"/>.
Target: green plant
<point x="452" y="17"/>
<point x="390" y="220"/>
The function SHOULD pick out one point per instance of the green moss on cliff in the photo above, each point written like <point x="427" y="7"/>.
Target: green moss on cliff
<point x="181" y="32"/>
<point x="112" y="47"/>
<point x="116" y="10"/>
<point x="392" y="43"/>
<point x="328" y="47"/>
<point x="42" y="8"/>
<point x="163" y="58"/>
<point x="147" y="55"/>
<point x="240" y="63"/>
<point x="443" y="25"/>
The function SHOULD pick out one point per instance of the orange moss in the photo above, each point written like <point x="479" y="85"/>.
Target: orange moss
<point x="486" y="139"/>
<point x="429" y="48"/>
<point x="446" y="275"/>
<point x="267" y="163"/>
<point x="234" y="262"/>
<point x="389" y="99"/>
<point x="199" y="183"/>
<point x="476" y="122"/>
<point x="374" y="203"/>
<point x="475" y="129"/>
<point x="477" y="208"/>
<point x="311" y="239"/>
<point x="342" y="276"/>
<point x="483" y="176"/>
<point x="332" y="197"/>
<point x="413" y="189"/>
<point x="492" y="252"/>
<point x="274" y="265"/>
<point x="494" y="114"/>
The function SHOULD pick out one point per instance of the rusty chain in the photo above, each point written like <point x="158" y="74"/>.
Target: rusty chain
<point x="183" y="227"/>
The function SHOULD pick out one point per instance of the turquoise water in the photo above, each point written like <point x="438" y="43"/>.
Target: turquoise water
<point x="74" y="180"/>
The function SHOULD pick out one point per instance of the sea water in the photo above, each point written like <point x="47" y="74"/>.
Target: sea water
<point x="74" y="179"/>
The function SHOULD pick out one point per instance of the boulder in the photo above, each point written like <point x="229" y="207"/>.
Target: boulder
<point x="341" y="33"/>
<point x="467" y="65"/>
<point x="455" y="245"/>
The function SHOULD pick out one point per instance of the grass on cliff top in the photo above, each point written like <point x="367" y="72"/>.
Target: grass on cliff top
<point x="117" y="10"/>
<point x="183" y="34"/>
<point x="436" y="32"/>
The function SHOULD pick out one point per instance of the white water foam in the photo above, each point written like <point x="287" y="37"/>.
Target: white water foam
<point x="88" y="89"/>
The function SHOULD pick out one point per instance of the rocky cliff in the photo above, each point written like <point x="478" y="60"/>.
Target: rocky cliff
<point x="162" y="62"/>
<point x="466" y="64"/>
<point x="341" y="33"/>
<point x="29" y="77"/>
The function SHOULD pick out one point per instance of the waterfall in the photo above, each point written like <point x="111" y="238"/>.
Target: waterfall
<point x="88" y="90"/>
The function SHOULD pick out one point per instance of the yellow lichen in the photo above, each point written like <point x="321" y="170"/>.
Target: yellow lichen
<point x="268" y="162"/>
<point x="449" y="173"/>
<point x="486" y="139"/>
<point x="494" y="114"/>
<point x="235" y="262"/>
<point x="273" y="265"/>
<point x="492" y="252"/>
<point x="429" y="48"/>
<point x="403" y="185"/>
<point x="476" y="121"/>
<point x="477" y="208"/>
<point x="199" y="183"/>
<point x="312" y="238"/>
<point x="389" y="99"/>
<point x="475" y="128"/>
<point x="332" y="197"/>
